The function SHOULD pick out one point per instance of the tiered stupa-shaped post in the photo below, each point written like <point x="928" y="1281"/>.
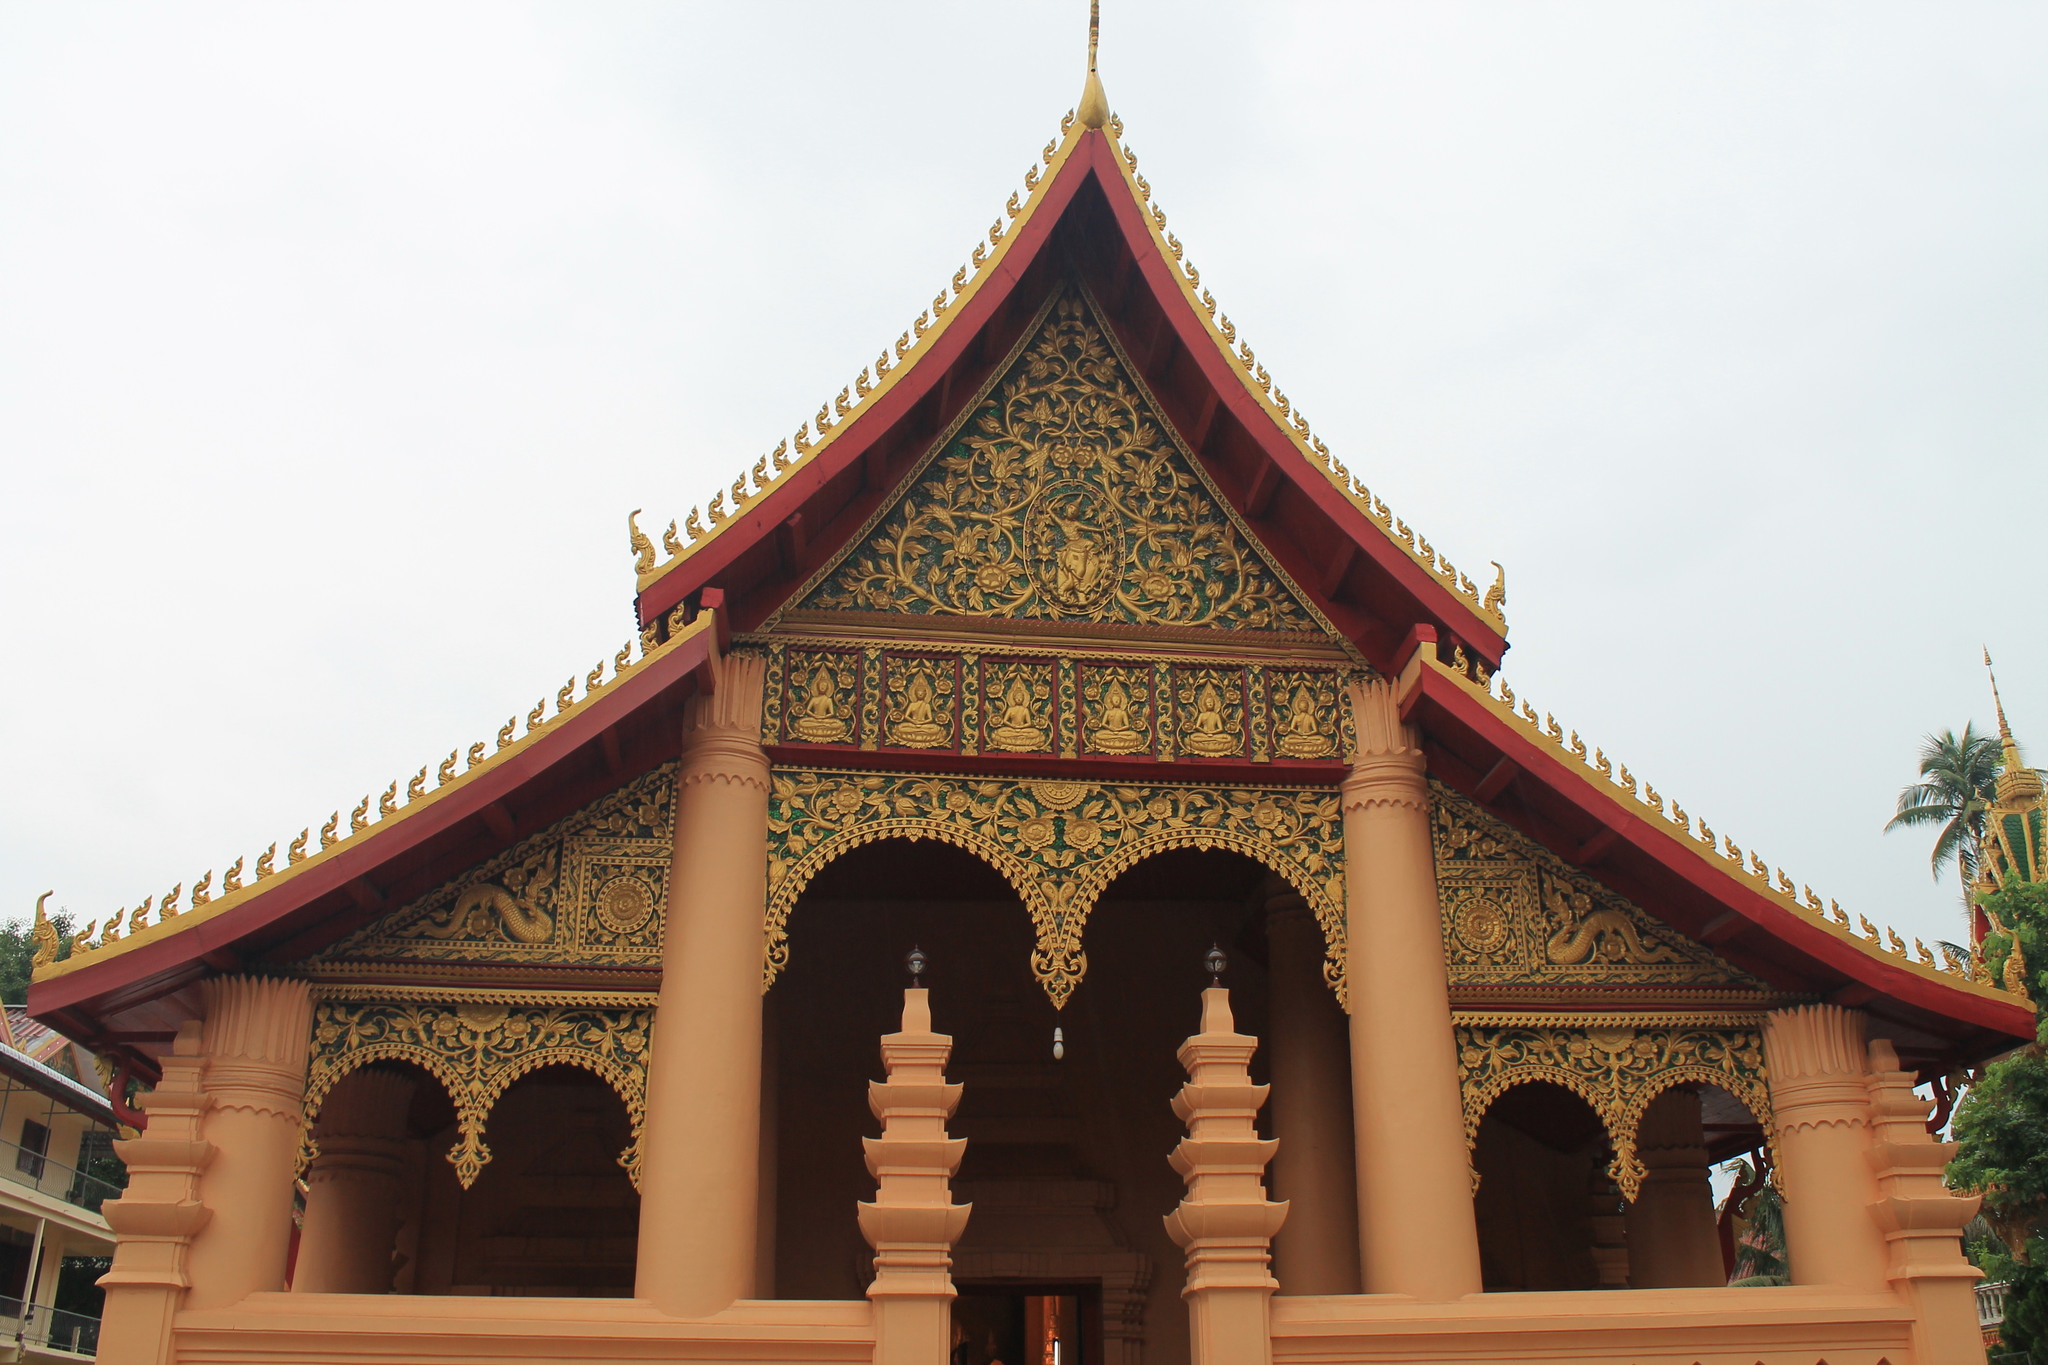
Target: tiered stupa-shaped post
<point x="913" y="1222"/>
<point x="1226" y="1223"/>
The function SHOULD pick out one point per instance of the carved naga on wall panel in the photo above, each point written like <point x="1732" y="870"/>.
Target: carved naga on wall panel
<point x="1513" y="913"/>
<point x="1059" y="844"/>
<point x="588" y="890"/>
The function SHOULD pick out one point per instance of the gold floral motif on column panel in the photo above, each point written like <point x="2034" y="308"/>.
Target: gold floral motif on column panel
<point x="588" y="890"/>
<point x="1515" y="912"/>
<point x="1618" y="1065"/>
<point x="1059" y="844"/>
<point x="1065" y="498"/>
<point x="477" y="1049"/>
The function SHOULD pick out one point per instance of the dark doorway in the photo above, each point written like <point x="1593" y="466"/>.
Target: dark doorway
<point x="1027" y="1325"/>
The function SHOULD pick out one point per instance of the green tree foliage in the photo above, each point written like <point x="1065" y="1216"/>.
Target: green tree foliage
<point x="17" y="954"/>
<point x="1760" y="1250"/>
<point x="2001" y="1131"/>
<point x="1958" y="775"/>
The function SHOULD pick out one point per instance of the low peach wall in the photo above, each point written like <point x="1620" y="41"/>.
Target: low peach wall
<point x="400" y="1329"/>
<point x="1783" y="1326"/>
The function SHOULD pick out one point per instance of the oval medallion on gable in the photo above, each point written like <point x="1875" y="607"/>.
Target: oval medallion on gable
<point x="1076" y="546"/>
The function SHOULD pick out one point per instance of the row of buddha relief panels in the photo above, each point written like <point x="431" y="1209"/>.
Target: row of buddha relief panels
<point x="1068" y="706"/>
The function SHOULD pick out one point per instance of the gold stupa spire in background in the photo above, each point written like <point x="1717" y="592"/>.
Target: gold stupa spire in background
<point x="2017" y="783"/>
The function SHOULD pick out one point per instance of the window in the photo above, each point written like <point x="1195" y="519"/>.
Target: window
<point x="35" y="1145"/>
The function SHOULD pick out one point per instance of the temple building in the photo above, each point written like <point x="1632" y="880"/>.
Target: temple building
<point x="1060" y="877"/>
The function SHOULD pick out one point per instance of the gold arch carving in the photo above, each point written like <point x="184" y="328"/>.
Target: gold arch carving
<point x="1059" y="844"/>
<point x="1618" y="1064"/>
<point x="477" y="1048"/>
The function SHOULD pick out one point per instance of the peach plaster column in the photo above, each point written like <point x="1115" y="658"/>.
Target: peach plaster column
<point x="1417" y="1233"/>
<point x="1672" y="1241"/>
<point x="350" y="1232"/>
<point x="257" y="1039"/>
<point x="1309" y="1056"/>
<point x="700" y="1159"/>
<point x="1820" y="1107"/>
<point x="157" y="1216"/>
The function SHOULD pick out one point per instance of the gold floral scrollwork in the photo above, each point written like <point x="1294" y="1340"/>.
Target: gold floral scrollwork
<point x="1618" y="1064"/>
<point x="477" y="1048"/>
<point x="1059" y="844"/>
<point x="1065" y="497"/>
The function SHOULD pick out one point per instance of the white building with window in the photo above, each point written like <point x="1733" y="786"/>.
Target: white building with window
<point x="57" y="1166"/>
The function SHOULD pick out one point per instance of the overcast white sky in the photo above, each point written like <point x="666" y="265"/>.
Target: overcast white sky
<point x="336" y="341"/>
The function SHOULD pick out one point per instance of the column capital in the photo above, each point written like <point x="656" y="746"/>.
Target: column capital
<point x="256" y="1043"/>
<point x="1387" y="765"/>
<point x="722" y="726"/>
<point x="1817" y="1067"/>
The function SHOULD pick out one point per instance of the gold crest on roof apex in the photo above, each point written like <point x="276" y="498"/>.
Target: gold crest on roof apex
<point x="2017" y="783"/>
<point x="1093" y="111"/>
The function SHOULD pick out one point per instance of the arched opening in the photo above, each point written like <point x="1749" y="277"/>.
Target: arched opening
<point x="842" y="989"/>
<point x="1677" y="1237"/>
<point x="1549" y="1215"/>
<point x="552" y="1213"/>
<point x="1066" y="1163"/>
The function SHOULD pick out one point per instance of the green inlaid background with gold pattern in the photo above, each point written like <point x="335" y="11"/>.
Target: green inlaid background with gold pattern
<point x="1065" y="497"/>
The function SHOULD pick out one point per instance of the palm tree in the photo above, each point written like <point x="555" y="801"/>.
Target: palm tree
<point x="1958" y="775"/>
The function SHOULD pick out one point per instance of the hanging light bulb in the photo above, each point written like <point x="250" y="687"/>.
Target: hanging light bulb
<point x="1059" y="1044"/>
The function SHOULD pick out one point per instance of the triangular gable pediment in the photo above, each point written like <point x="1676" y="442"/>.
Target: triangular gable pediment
<point x="1064" y="496"/>
<point x="586" y="892"/>
<point x="1517" y="916"/>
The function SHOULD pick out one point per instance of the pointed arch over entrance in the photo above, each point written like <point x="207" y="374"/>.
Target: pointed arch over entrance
<point x="1057" y="843"/>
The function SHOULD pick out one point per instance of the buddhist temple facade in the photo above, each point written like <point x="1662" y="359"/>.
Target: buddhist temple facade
<point x="1059" y="877"/>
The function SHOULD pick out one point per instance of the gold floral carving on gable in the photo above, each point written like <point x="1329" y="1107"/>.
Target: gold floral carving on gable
<point x="1059" y="844"/>
<point x="1065" y="498"/>
<point x="587" y="890"/>
<point x="1513" y="912"/>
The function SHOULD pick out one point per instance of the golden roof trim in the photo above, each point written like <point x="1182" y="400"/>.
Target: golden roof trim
<point x="1615" y="781"/>
<point x="113" y="941"/>
<point x="873" y="381"/>
<point x="1259" y="384"/>
<point x="365" y="992"/>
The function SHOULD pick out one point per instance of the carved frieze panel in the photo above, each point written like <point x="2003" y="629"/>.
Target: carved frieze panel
<point x="1019" y="715"/>
<point x="588" y="890"/>
<point x="1515" y="913"/>
<point x="922" y="701"/>
<point x="1117" y="711"/>
<point x="1059" y="844"/>
<point x="1043" y="703"/>
<point x="477" y="1044"/>
<point x="1065" y="497"/>
<point x="1209" y="711"/>
<point x="1617" y="1063"/>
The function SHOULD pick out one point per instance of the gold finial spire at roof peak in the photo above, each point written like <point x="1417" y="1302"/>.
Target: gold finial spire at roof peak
<point x="1093" y="111"/>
